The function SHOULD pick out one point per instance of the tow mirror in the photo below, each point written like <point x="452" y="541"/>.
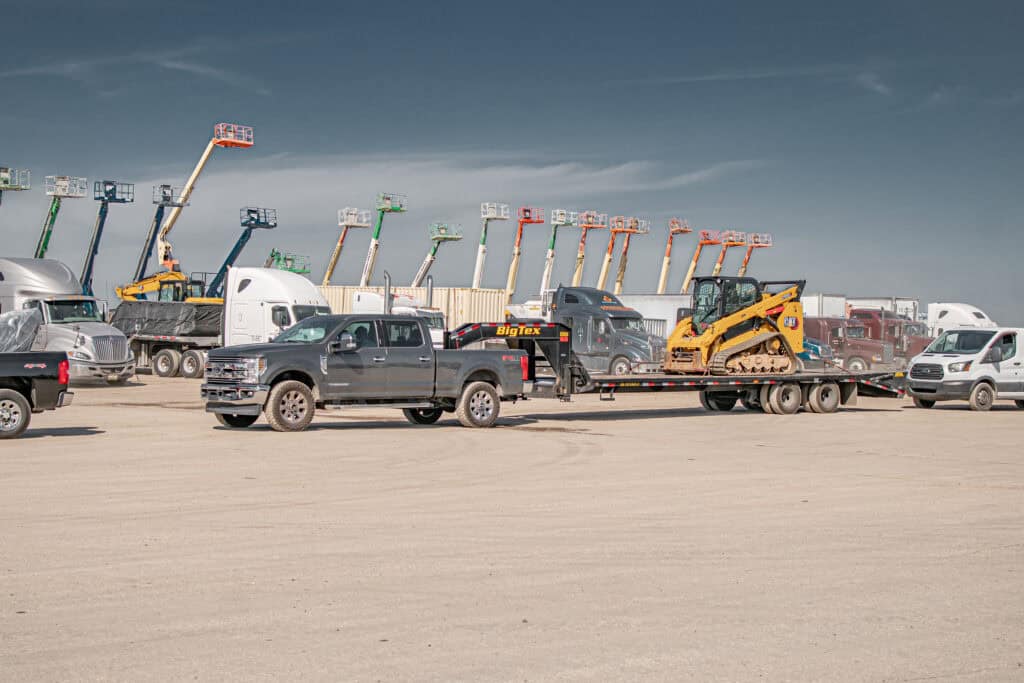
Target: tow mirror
<point x="346" y="342"/>
<point x="995" y="355"/>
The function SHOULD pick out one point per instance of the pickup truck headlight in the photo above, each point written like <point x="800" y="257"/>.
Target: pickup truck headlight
<point x="254" y="367"/>
<point x="960" y="367"/>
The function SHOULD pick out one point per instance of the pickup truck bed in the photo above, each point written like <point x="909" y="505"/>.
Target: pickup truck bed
<point x="31" y="382"/>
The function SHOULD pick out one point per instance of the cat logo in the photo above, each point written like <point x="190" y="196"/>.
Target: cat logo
<point x="791" y="322"/>
<point x="516" y="331"/>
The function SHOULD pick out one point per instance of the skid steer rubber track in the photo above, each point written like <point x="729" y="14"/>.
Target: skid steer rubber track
<point x="718" y="364"/>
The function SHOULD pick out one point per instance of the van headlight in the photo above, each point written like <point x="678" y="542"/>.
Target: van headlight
<point x="960" y="367"/>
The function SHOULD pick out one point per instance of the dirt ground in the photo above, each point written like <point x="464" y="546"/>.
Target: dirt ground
<point x="640" y="539"/>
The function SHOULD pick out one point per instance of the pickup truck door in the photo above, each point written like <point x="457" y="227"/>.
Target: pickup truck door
<point x="361" y="372"/>
<point x="410" y="359"/>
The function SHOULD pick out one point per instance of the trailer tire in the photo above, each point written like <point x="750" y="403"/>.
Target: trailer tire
<point x="705" y="401"/>
<point x="193" y="364"/>
<point x="750" y="402"/>
<point x="619" y="366"/>
<point x="290" y="406"/>
<point x="923" y="403"/>
<point x="723" y="401"/>
<point x="422" y="416"/>
<point x="982" y="396"/>
<point x="478" y="406"/>
<point x="1019" y="404"/>
<point x="824" y="398"/>
<point x="237" y="421"/>
<point x="856" y="364"/>
<point x="786" y="398"/>
<point x="166" y="363"/>
<point x="766" y="399"/>
<point x="15" y="414"/>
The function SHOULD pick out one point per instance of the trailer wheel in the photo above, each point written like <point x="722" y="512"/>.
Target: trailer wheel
<point x="1019" y="404"/>
<point x="926" y="403"/>
<point x="982" y="397"/>
<point x="824" y="398"/>
<point x="193" y="364"/>
<point x="751" y="401"/>
<point x="478" y="405"/>
<point x="289" y="407"/>
<point x="166" y="363"/>
<point x="766" y="399"/>
<point x="15" y="414"/>
<point x="237" y="421"/>
<point x="705" y="401"/>
<point x="719" y="401"/>
<point x="422" y="416"/>
<point x="785" y="398"/>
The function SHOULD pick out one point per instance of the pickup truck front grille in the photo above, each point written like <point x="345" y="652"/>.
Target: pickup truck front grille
<point x="926" y="371"/>
<point x="225" y="371"/>
<point x="110" y="349"/>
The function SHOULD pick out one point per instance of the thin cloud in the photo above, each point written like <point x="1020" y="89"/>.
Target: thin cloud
<point x="873" y="82"/>
<point x="213" y="73"/>
<point x="757" y="74"/>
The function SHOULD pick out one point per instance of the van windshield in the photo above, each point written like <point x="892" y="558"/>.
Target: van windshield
<point x="960" y="342"/>
<point x="303" y="312"/>
<point x="73" y="311"/>
<point x="309" y="331"/>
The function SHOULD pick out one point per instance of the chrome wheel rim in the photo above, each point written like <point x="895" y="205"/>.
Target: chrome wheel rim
<point x="294" y="406"/>
<point x="10" y="416"/>
<point x="481" y="405"/>
<point x="621" y="368"/>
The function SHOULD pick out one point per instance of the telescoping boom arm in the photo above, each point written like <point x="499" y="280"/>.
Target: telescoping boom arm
<point x="252" y="219"/>
<point x="106" y="192"/>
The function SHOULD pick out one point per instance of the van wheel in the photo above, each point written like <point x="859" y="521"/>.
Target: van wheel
<point x="923" y="403"/>
<point x="193" y="364"/>
<point x="166" y="363"/>
<point x="478" y="405"/>
<point x="422" y="416"/>
<point x="237" y="421"/>
<point x="857" y="364"/>
<point x="982" y="397"/>
<point x="290" y="407"/>
<point x="15" y="414"/>
<point x="786" y="398"/>
<point x="824" y="398"/>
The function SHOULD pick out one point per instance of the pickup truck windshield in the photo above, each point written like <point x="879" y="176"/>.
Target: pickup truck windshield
<point x="303" y="312"/>
<point x="960" y="342"/>
<point x="73" y="311"/>
<point x="309" y="331"/>
<point x="632" y="324"/>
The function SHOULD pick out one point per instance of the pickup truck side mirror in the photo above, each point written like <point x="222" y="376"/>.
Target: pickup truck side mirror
<point x="994" y="355"/>
<point x="346" y="342"/>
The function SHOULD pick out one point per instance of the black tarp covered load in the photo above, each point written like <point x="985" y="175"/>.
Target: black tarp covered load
<point x="167" y="318"/>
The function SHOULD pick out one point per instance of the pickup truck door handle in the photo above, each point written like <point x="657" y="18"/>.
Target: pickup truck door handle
<point x="426" y="359"/>
<point x="379" y="359"/>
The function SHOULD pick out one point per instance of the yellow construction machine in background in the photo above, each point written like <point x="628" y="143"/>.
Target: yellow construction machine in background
<point x="170" y="285"/>
<point x="739" y="326"/>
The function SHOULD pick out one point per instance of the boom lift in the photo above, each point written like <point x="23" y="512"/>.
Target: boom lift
<point x="675" y="227"/>
<point x="387" y="202"/>
<point x="14" y="180"/>
<point x="347" y="218"/>
<point x="489" y="211"/>
<point x="707" y="238"/>
<point x="730" y="239"/>
<point x="627" y="226"/>
<point x="559" y="218"/>
<point x="287" y="261"/>
<point x="739" y="326"/>
<point x="58" y="187"/>
<point x="589" y="220"/>
<point x="755" y="240"/>
<point x="163" y="196"/>
<point x="105" y="192"/>
<point x="251" y="218"/>
<point x="439" y="232"/>
<point x="528" y="215"/>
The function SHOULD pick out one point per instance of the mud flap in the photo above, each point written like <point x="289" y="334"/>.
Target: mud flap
<point x="848" y="393"/>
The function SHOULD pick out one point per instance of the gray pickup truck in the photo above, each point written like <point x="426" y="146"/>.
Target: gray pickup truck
<point x="359" y="360"/>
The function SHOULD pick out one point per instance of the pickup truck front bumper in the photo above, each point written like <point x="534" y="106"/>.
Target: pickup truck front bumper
<point x="235" y="399"/>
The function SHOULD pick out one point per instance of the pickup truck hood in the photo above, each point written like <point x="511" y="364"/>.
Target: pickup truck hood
<point x="251" y="350"/>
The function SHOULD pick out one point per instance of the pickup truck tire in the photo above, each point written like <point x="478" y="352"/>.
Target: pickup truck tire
<point x="289" y="407"/>
<point x="166" y="363"/>
<point x="193" y="365"/>
<point x="237" y="421"/>
<point x="856" y="364"/>
<point x="478" y="405"/>
<point x="422" y="416"/>
<point x="982" y="396"/>
<point x="923" y="403"/>
<point x="824" y="398"/>
<point x="15" y="414"/>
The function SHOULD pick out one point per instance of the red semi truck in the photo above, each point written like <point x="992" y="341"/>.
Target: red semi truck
<point x="908" y="337"/>
<point x="854" y="349"/>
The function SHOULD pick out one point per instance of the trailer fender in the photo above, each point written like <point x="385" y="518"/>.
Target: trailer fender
<point x="848" y="393"/>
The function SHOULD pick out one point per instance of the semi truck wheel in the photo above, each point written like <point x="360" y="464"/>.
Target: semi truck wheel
<point x="15" y="414"/>
<point x="785" y="398"/>
<point x="237" y="421"/>
<point x="982" y="397"/>
<point x="289" y="407"/>
<point x="478" y="405"/>
<point x="824" y="398"/>
<point x="857" y="364"/>
<point x="620" y="366"/>
<point x="422" y="416"/>
<point x="193" y="364"/>
<point x="923" y="403"/>
<point x="166" y="363"/>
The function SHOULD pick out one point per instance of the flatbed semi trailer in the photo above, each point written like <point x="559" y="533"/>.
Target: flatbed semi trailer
<point x="548" y="346"/>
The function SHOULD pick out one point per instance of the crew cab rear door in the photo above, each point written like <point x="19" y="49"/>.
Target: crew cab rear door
<point x="410" y="355"/>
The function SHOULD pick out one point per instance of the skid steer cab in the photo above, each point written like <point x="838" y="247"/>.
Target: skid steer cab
<point x="739" y="326"/>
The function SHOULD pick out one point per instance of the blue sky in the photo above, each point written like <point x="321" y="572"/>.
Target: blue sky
<point x="879" y="142"/>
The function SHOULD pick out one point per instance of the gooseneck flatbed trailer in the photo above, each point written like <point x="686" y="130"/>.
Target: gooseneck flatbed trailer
<point x="554" y="371"/>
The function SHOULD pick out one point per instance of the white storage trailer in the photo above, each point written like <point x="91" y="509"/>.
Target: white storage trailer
<point x="824" y="305"/>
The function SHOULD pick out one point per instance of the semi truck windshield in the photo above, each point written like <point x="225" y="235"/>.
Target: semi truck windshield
<point x="73" y="311"/>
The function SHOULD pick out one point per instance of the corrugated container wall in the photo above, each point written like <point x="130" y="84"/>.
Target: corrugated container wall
<point x="460" y="305"/>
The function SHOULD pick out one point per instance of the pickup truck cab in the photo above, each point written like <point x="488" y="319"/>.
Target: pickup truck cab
<point x="976" y="365"/>
<point x="31" y="382"/>
<point x="359" y="360"/>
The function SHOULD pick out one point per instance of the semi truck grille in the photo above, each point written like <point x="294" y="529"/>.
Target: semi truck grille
<point x="926" y="371"/>
<point x="110" y="349"/>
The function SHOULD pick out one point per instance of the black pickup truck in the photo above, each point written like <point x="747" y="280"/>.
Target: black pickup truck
<point x="359" y="360"/>
<point x="31" y="382"/>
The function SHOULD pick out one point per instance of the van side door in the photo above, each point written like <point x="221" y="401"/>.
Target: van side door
<point x="1009" y="372"/>
<point x="410" y="359"/>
